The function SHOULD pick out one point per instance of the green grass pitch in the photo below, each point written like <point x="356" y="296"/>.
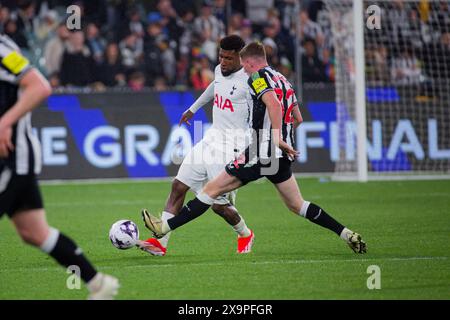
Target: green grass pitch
<point x="406" y="225"/>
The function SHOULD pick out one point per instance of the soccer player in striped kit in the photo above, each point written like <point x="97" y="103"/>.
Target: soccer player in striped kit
<point x="269" y="155"/>
<point x="22" y="88"/>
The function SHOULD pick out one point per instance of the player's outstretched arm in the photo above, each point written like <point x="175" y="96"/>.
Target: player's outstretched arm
<point x="35" y="88"/>
<point x="205" y="97"/>
<point x="185" y="117"/>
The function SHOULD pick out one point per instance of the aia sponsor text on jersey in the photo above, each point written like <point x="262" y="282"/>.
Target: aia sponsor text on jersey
<point x="222" y="103"/>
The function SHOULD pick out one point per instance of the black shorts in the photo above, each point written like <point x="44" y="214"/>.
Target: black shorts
<point x="18" y="193"/>
<point x="277" y="171"/>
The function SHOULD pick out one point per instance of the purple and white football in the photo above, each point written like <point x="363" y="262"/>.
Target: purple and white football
<point x="124" y="234"/>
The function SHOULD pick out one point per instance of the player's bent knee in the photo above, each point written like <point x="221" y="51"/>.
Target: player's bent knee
<point x="33" y="237"/>
<point x="212" y="189"/>
<point x="179" y="187"/>
<point x="221" y="184"/>
<point x="218" y="208"/>
<point x="294" y="207"/>
<point x="31" y="226"/>
<point x="227" y="212"/>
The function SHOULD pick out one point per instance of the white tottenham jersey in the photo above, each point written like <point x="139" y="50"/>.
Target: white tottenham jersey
<point x="230" y="131"/>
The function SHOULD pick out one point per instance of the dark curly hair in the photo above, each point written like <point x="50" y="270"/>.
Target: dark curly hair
<point x="232" y="43"/>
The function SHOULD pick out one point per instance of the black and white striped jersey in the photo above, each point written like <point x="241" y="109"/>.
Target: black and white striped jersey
<point x="267" y="79"/>
<point x="26" y="156"/>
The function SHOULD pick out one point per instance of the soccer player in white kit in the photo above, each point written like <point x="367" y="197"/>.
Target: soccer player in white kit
<point x="227" y="137"/>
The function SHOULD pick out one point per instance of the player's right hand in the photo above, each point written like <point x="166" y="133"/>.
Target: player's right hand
<point x="5" y="141"/>
<point x="187" y="115"/>
<point x="290" y="152"/>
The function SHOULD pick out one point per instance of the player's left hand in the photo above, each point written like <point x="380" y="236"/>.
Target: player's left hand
<point x="5" y="141"/>
<point x="187" y="115"/>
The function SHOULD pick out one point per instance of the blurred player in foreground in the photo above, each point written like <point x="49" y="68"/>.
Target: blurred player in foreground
<point x="20" y="163"/>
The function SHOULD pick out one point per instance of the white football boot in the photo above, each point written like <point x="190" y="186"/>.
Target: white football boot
<point x="103" y="287"/>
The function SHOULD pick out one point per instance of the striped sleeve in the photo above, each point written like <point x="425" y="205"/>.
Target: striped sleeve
<point x="13" y="64"/>
<point x="259" y="83"/>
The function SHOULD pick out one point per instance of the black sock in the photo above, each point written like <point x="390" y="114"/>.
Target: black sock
<point x="318" y="216"/>
<point x="193" y="209"/>
<point x="67" y="254"/>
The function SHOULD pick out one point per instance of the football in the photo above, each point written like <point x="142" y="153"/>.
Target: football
<point x="124" y="234"/>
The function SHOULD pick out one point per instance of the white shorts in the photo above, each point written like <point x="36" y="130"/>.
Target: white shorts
<point x="202" y="164"/>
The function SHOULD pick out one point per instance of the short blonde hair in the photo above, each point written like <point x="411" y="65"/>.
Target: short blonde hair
<point x="253" y="49"/>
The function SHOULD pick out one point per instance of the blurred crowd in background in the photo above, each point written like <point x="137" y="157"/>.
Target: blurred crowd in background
<point x="163" y="44"/>
<point x="413" y="45"/>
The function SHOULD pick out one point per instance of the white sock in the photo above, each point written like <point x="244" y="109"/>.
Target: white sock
<point x="344" y="234"/>
<point x="95" y="282"/>
<point x="241" y="228"/>
<point x="304" y="208"/>
<point x="164" y="217"/>
<point x="49" y="244"/>
<point x="165" y="228"/>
